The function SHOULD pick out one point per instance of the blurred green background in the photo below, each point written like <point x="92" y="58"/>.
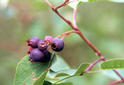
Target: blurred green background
<point x="101" y="22"/>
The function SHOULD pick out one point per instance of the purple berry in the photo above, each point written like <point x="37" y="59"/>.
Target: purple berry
<point x="42" y="45"/>
<point x="57" y="45"/>
<point x="47" y="56"/>
<point x="36" y="55"/>
<point x="33" y="42"/>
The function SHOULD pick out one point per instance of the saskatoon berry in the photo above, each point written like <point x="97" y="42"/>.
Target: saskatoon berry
<point x="57" y="45"/>
<point x="36" y="55"/>
<point x="42" y="45"/>
<point x="33" y="42"/>
<point x="48" y="39"/>
<point x="47" y="56"/>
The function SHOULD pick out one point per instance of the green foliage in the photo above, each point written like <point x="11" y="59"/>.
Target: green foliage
<point x="81" y="68"/>
<point x="113" y="64"/>
<point x="62" y="74"/>
<point x="40" y="81"/>
<point x="59" y="65"/>
<point x="101" y="22"/>
<point x="67" y="83"/>
<point x="27" y="72"/>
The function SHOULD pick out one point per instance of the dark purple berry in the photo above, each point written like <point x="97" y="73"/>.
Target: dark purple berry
<point x="33" y="42"/>
<point x="47" y="56"/>
<point x="42" y="45"/>
<point x="57" y="45"/>
<point x="36" y="55"/>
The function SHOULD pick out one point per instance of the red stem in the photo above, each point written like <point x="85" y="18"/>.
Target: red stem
<point x="74" y="26"/>
<point x="67" y="33"/>
<point x="116" y="82"/>
<point x="92" y="64"/>
<point x="74" y="17"/>
<point x="63" y="4"/>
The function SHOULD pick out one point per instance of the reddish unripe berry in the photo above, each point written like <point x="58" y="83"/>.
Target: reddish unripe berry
<point x="48" y="39"/>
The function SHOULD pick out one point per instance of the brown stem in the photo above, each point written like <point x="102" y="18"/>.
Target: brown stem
<point x="83" y="37"/>
<point x="63" y="4"/>
<point x="116" y="82"/>
<point x="92" y="64"/>
<point x="67" y="33"/>
<point x="66" y="20"/>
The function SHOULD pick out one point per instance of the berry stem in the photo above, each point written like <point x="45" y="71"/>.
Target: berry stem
<point x="116" y="82"/>
<point x="91" y="65"/>
<point x="67" y="33"/>
<point x="77" y="30"/>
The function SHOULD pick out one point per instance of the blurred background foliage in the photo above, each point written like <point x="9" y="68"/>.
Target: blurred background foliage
<point x="101" y="22"/>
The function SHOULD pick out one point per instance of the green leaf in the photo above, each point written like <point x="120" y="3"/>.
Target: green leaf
<point x="40" y="80"/>
<point x="66" y="83"/>
<point x="81" y="68"/>
<point x="62" y="74"/>
<point x="113" y="64"/>
<point x="59" y="65"/>
<point x="53" y="59"/>
<point x="27" y="72"/>
<point x="47" y="83"/>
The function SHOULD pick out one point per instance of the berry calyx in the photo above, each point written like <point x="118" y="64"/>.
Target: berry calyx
<point x="33" y="42"/>
<point x="42" y="45"/>
<point x="36" y="55"/>
<point x="57" y="45"/>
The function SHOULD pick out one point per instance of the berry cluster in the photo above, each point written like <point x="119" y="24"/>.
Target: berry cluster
<point x="39" y="49"/>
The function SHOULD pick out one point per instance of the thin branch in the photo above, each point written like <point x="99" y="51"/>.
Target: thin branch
<point x="116" y="82"/>
<point x="95" y="71"/>
<point x="56" y="11"/>
<point x="67" y="33"/>
<point x="63" y="4"/>
<point x="81" y="35"/>
<point x="74" y="17"/>
<point x="51" y="6"/>
<point x="92" y="64"/>
<point x="66" y="20"/>
<point x="119" y="75"/>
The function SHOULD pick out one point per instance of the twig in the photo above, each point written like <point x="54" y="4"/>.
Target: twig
<point x="74" y="17"/>
<point x="74" y="26"/>
<point x="119" y="74"/>
<point x="67" y="33"/>
<point x="63" y="4"/>
<point x="116" y="82"/>
<point x="92" y="64"/>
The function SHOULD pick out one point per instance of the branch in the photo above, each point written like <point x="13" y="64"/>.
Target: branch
<point x="56" y="11"/>
<point x="67" y="33"/>
<point x="91" y="65"/>
<point x="119" y="75"/>
<point x="74" y="17"/>
<point x="63" y="4"/>
<point x="116" y="82"/>
<point x="74" y="26"/>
